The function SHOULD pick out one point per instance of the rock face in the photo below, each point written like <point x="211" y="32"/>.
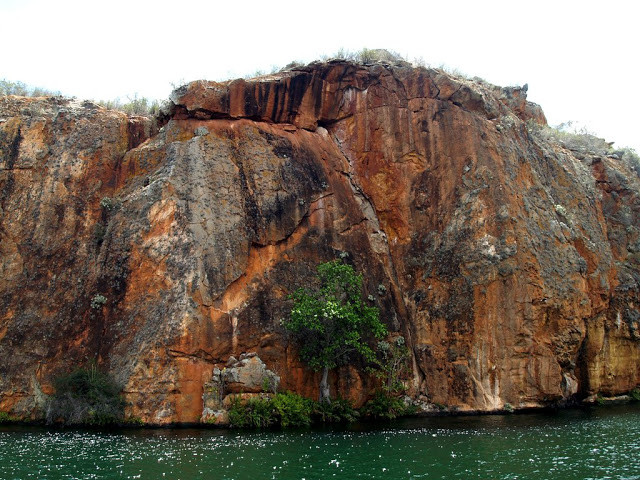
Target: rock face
<point x="510" y="265"/>
<point x="244" y="378"/>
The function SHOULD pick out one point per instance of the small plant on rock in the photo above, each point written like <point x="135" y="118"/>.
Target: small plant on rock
<point x="270" y="384"/>
<point x="393" y="362"/>
<point x="98" y="301"/>
<point x="631" y="159"/>
<point x="560" y="210"/>
<point x="107" y="203"/>
<point x="6" y="418"/>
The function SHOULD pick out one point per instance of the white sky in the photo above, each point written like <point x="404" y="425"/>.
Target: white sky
<point x="580" y="58"/>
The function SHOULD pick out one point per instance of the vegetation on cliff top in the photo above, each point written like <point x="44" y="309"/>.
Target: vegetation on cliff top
<point x="581" y="141"/>
<point x="578" y="140"/>
<point x="133" y="106"/>
<point x="22" y="89"/>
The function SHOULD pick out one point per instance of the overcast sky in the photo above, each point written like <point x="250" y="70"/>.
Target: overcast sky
<point x="580" y="58"/>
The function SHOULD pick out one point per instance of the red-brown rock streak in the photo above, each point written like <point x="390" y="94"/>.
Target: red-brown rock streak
<point x="511" y="267"/>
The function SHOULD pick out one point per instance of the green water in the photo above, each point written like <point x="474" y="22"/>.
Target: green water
<point x="600" y="443"/>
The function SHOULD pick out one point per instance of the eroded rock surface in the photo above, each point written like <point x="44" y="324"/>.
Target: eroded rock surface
<point x="244" y="378"/>
<point x="509" y="264"/>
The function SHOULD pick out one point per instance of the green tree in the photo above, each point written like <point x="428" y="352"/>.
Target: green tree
<point x="331" y="323"/>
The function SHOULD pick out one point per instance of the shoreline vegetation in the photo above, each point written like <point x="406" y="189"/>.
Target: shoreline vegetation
<point x="596" y="401"/>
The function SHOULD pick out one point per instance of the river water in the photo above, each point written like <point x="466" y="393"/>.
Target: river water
<point x="596" y="443"/>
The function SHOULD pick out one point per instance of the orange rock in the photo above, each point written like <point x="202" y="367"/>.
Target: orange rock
<point x="509" y="264"/>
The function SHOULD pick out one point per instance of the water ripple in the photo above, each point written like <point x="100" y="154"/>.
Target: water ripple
<point x="594" y="444"/>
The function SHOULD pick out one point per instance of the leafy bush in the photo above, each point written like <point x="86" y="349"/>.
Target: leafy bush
<point x="261" y="413"/>
<point x="133" y="422"/>
<point x="239" y="413"/>
<point x="86" y="396"/>
<point x="288" y="410"/>
<point x="635" y="394"/>
<point x="292" y="410"/>
<point x="257" y="412"/>
<point x="6" y="418"/>
<point x="338" y="411"/>
<point x="384" y="405"/>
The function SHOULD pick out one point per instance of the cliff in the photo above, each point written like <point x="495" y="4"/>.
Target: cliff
<point x="510" y="264"/>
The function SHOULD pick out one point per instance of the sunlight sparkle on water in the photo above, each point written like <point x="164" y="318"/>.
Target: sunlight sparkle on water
<point x="597" y="444"/>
